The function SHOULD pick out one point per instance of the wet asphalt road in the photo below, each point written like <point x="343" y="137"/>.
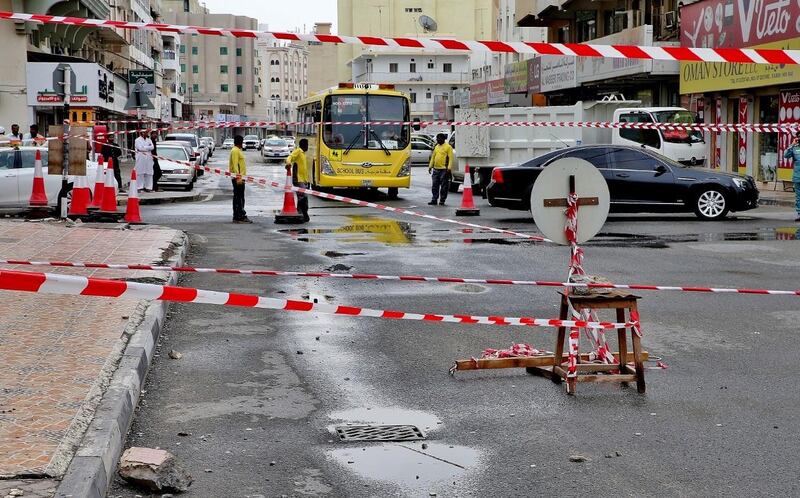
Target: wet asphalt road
<point x="257" y="392"/>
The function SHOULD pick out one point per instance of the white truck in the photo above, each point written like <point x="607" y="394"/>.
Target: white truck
<point x="488" y="146"/>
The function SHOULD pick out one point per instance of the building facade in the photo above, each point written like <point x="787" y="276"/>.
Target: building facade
<point x="281" y="78"/>
<point x="743" y="93"/>
<point x="217" y="74"/>
<point x="320" y="56"/>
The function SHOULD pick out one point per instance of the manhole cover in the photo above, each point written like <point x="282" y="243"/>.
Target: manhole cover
<point x="349" y="433"/>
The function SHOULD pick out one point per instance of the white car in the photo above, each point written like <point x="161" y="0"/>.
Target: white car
<point x="291" y="142"/>
<point x="200" y="150"/>
<point x="210" y="145"/>
<point x="228" y="143"/>
<point x="16" y="178"/>
<point x="421" y="152"/>
<point x="175" y="174"/>
<point x="251" y="142"/>
<point x="275" y="149"/>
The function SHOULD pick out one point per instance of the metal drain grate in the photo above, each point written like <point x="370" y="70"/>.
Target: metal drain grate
<point x="348" y="433"/>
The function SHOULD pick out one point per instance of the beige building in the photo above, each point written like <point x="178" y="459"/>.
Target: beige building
<point x="217" y="73"/>
<point x="320" y="56"/>
<point x="465" y="19"/>
<point x="282" y="79"/>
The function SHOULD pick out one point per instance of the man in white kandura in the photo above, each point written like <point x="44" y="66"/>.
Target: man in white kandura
<point x="144" y="162"/>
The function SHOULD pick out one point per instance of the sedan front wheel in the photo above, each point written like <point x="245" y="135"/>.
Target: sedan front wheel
<point x="711" y="205"/>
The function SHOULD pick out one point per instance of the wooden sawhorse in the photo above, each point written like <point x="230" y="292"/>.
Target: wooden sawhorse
<point x="588" y="372"/>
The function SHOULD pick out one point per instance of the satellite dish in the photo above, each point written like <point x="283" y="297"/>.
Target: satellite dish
<point x="549" y="196"/>
<point x="428" y="24"/>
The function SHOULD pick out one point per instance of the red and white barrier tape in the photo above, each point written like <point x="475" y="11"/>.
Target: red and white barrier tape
<point x="737" y="55"/>
<point x="49" y="283"/>
<point x="400" y="278"/>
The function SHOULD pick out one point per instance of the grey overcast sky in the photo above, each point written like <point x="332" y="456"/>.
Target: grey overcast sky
<point x="281" y="15"/>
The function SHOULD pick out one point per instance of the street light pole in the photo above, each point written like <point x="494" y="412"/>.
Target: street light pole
<point x="65" y="168"/>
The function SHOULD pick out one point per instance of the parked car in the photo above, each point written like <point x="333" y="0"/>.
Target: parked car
<point x="175" y="174"/>
<point x="210" y="144"/>
<point x="638" y="180"/>
<point x="275" y="149"/>
<point x="200" y="149"/>
<point x="251" y="142"/>
<point x="420" y="151"/>
<point x="227" y="143"/>
<point x="290" y="142"/>
<point x="188" y="148"/>
<point x="16" y="178"/>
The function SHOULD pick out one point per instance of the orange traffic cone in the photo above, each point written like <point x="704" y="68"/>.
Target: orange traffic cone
<point x="289" y="214"/>
<point x="467" y="202"/>
<point x="80" y="198"/>
<point x="38" y="194"/>
<point x="109" y="205"/>
<point x="132" y="214"/>
<point x="99" y="184"/>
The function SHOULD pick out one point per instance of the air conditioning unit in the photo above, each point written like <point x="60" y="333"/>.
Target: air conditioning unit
<point x="671" y="20"/>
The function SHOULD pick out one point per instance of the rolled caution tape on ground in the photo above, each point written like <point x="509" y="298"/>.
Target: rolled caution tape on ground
<point x="50" y="283"/>
<point x="687" y="54"/>
<point x="401" y="278"/>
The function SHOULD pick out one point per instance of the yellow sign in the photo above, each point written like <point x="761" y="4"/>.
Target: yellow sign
<point x="699" y="77"/>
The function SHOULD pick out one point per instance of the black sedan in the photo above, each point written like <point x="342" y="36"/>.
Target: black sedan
<point x="639" y="181"/>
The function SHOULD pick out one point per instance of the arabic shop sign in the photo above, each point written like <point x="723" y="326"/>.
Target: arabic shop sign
<point x="89" y="84"/>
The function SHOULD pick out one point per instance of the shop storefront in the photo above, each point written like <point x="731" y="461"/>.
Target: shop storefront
<point x="743" y="93"/>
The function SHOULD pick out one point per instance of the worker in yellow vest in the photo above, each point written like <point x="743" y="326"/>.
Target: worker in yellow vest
<point x="441" y="169"/>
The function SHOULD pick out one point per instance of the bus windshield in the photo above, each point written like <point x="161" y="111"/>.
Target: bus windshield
<point x="360" y="108"/>
<point x="678" y="136"/>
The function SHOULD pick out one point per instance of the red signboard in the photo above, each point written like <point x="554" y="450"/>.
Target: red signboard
<point x="478" y="94"/>
<point x="79" y="98"/>
<point x="738" y="23"/>
<point x="788" y="112"/>
<point x="48" y="98"/>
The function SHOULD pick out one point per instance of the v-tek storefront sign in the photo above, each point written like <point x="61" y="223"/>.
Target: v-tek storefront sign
<point x="738" y="24"/>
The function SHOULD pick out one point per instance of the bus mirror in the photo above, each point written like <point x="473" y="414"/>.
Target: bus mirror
<point x="416" y="125"/>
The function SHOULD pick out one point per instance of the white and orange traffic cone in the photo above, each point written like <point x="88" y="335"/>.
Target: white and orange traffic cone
<point x="80" y="198"/>
<point x="109" y="204"/>
<point x="38" y="194"/>
<point x="99" y="184"/>
<point x="468" y="207"/>
<point x="132" y="214"/>
<point x="289" y="214"/>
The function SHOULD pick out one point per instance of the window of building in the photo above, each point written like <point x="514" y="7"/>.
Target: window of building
<point x="428" y="95"/>
<point x="183" y="68"/>
<point x="183" y="49"/>
<point x="183" y="87"/>
<point x="412" y="68"/>
<point x="447" y="67"/>
<point x="196" y="88"/>
<point x="195" y="69"/>
<point x="194" y="50"/>
<point x="238" y="52"/>
<point x="239" y="70"/>
<point x="223" y="50"/>
<point x="393" y="67"/>
<point x="223" y="69"/>
<point x="186" y="5"/>
<point x="431" y="64"/>
<point x="586" y="25"/>
<point x="223" y="88"/>
<point x="239" y="89"/>
<point x="413" y="97"/>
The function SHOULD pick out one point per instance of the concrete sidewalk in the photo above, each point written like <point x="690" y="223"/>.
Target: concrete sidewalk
<point x="62" y="354"/>
<point x="772" y="194"/>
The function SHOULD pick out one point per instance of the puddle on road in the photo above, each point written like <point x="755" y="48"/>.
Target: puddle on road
<point x="360" y="229"/>
<point x="409" y="466"/>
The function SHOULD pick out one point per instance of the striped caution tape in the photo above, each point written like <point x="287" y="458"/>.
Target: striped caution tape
<point x="401" y="278"/>
<point x="687" y="54"/>
<point x="49" y="283"/>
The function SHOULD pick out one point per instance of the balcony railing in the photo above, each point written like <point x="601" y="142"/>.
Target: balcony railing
<point x="408" y="77"/>
<point x="169" y="55"/>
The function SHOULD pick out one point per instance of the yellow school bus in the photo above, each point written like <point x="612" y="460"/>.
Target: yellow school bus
<point x="357" y="155"/>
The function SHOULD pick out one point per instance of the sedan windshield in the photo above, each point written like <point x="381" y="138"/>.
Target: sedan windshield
<point x="251" y="138"/>
<point x="360" y="108"/>
<point x="173" y="153"/>
<point x="276" y="143"/>
<point x="183" y="138"/>
<point x="678" y="136"/>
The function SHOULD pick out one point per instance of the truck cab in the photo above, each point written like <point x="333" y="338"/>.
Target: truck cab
<point x="687" y="147"/>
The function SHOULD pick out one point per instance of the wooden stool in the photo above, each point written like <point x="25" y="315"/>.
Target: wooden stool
<point x="587" y="372"/>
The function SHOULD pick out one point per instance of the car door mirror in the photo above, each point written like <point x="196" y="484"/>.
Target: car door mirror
<point x="661" y="169"/>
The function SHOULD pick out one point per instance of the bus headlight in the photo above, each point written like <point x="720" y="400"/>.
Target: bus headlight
<point x="327" y="169"/>
<point x="405" y="170"/>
